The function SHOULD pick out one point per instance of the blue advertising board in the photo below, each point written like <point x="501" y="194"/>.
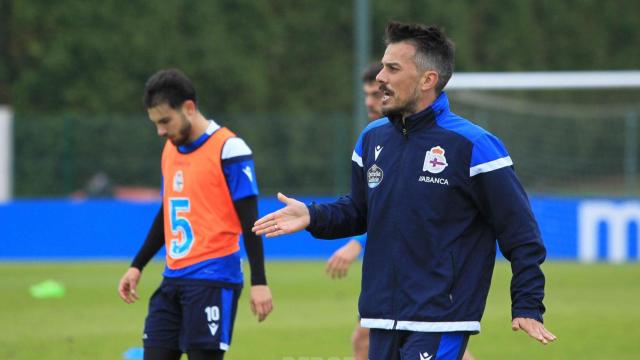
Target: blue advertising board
<point x="582" y="229"/>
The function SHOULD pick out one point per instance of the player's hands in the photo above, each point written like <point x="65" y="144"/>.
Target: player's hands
<point x="291" y="218"/>
<point x="534" y="328"/>
<point x="128" y="284"/>
<point x="261" y="303"/>
<point x="338" y="264"/>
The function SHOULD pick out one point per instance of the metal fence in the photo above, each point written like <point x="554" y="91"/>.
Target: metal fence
<point x="60" y="155"/>
<point x="559" y="146"/>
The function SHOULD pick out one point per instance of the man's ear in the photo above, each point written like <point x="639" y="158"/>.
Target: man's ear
<point x="189" y="108"/>
<point x="429" y="80"/>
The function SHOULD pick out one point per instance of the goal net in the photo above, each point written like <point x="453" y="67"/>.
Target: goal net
<point x="569" y="133"/>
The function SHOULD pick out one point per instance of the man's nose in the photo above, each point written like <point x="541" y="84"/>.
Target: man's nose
<point x="381" y="77"/>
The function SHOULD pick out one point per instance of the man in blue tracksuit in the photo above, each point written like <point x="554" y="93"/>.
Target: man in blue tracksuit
<point x="434" y="192"/>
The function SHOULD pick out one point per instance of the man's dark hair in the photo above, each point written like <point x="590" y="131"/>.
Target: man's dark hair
<point x="170" y="86"/>
<point x="370" y="73"/>
<point x="434" y="51"/>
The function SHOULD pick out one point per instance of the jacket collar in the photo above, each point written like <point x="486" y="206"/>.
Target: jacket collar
<point x="425" y="117"/>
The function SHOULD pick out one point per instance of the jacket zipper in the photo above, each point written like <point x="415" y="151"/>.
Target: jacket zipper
<point x="404" y="128"/>
<point x="405" y="144"/>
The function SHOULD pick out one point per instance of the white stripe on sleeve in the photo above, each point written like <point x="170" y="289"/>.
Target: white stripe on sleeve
<point x="357" y="159"/>
<point x="490" y="166"/>
<point x="235" y="147"/>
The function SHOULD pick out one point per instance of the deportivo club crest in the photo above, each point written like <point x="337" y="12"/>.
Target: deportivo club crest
<point x="374" y="176"/>
<point x="434" y="161"/>
<point x="178" y="181"/>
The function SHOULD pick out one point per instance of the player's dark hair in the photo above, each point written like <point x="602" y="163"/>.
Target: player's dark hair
<point x="434" y="51"/>
<point x="370" y="73"/>
<point x="169" y="86"/>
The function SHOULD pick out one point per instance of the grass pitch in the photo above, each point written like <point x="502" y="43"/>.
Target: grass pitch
<point x="593" y="309"/>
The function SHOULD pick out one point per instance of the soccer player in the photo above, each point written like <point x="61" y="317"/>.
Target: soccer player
<point x="339" y="262"/>
<point x="209" y="198"/>
<point x="434" y="192"/>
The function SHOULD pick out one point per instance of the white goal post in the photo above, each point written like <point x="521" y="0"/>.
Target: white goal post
<point x="544" y="80"/>
<point x="6" y="153"/>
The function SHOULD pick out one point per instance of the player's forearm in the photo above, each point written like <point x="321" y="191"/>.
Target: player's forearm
<point x="339" y="219"/>
<point x="518" y="238"/>
<point x="527" y="285"/>
<point x="347" y="216"/>
<point x="152" y="244"/>
<point x="247" y="210"/>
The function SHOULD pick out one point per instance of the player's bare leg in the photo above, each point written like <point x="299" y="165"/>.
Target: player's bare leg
<point x="467" y="356"/>
<point x="360" y="343"/>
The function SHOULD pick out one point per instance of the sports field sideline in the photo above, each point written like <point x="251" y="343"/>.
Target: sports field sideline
<point x="593" y="309"/>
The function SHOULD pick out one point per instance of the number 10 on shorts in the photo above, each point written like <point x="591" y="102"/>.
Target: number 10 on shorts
<point x="213" y="315"/>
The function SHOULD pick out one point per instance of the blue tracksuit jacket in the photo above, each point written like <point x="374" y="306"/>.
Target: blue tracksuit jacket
<point x="434" y="192"/>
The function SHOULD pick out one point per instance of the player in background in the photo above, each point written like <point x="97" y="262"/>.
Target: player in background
<point x="340" y="261"/>
<point x="209" y="199"/>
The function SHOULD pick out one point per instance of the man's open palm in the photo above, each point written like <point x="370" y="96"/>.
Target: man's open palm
<point x="291" y="218"/>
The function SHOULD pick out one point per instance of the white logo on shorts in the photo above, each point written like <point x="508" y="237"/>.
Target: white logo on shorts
<point x="425" y="356"/>
<point x="213" y="315"/>
<point x="213" y="327"/>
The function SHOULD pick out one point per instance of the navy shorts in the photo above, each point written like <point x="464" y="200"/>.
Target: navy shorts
<point x="403" y="345"/>
<point x="191" y="314"/>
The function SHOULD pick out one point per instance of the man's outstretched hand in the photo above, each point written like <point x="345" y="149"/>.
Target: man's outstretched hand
<point x="291" y="218"/>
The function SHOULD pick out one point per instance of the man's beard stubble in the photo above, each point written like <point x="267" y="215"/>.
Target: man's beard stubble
<point x="184" y="132"/>
<point x="401" y="110"/>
